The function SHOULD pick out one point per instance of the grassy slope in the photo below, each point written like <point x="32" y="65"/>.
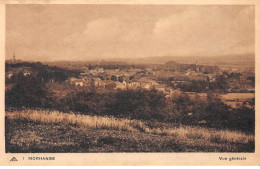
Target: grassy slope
<point x="30" y="134"/>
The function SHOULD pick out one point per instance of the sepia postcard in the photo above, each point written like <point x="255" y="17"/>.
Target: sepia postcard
<point x="118" y="82"/>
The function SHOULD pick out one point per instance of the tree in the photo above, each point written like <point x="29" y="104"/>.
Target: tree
<point x="114" y="78"/>
<point x="221" y="83"/>
<point x="121" y="78"/>
<point x="28" y="92"/>
<point x="139" y="104"/>
<point x="218" y="114"/>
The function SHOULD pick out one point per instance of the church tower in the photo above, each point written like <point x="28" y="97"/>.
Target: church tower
<point x="197" y="67"/>
<point x="14" y="57"/>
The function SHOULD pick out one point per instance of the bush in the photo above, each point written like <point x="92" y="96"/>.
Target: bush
<point x="28" y="92"/>
<point x="139" y="104"/>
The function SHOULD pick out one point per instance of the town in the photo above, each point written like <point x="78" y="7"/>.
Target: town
<point x="105" y="95"/>
<point x="236" y="85"/>
<point x="130" y="78"/>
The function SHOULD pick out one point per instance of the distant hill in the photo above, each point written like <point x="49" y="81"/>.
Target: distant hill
<point x="247" y="60"/>
<point x="239" y="61"/>
<point x="171" y="63"/>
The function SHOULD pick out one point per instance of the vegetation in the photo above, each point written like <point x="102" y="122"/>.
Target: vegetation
<point x="83" y="133"/>
<point x="185" y="123"/>
<point x="41" y="72"/>
<point x="219" y="85"/>
<point x="134" y="104"/>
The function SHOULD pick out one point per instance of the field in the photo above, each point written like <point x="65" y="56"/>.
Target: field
<point x="234" y="99"/>
<point x="226" y="97"/>
<point x="52" y="131"/>
<point x="237" y="96"/>
<point x="231" y="99"/>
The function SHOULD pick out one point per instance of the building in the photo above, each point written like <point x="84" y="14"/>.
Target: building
<point x="75" y="81"/>
<point x="160" y="87"/>
<point x="197" y="67"/>
<point x="100" y="70"/>
<point x="84" y="74"/>
<point x="97" y="82"/>
<point x="121" y="85"/>
<point x="14" y="60"/>
<point x="9" y="75"/>
<point x="79" y="83"/>
<point x="26" y="73"/>
<point x="134" y="84"/>
<point x="14" y="57"/>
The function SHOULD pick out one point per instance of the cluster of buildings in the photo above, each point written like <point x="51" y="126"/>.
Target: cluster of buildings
<point x="97" y="82"/>
<point x="25" y="71"/>
<point x="147" y="77"/>
<point x="133" y="78"/>
<point x="113" y="79"/>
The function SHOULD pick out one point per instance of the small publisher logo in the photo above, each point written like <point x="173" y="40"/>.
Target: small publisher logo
<point x="13" y="159"/>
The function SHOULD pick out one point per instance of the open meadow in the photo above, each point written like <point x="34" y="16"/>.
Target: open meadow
<point x="53" y="131"/>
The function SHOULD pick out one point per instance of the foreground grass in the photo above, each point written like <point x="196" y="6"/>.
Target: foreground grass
<point x="46" y="131"/>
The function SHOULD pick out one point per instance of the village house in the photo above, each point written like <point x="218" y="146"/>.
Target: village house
<point x="147" y="83"/>
<point x="76" y="81"/>
<point x="211" y="77"/>
<point x="132" y="72"/>
<point x="180" y="82"/>
<point x="109" y="84"/>
<point x="160" y="87"/>
<point x="84" y="69"/>
<point x="133" y="84"/>
<point x="112" y="72"/>
<point x="93" y="72"/>
<point x="87" y="81"/>
<point x="97" y="82"/>
<point x="26" y="73"/>
<point x="9" y="75"/>
<point x="84" y="74"/>
<point x="79" y="83"/>
<point x="121" y="85"/>
<point x="190" y="72"/>
<point x="100" y="70"/>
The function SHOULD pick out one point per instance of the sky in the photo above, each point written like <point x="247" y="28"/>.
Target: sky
<point x="87" y="32"/>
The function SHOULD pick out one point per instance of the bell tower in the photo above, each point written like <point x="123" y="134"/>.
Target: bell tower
<point x="197" y="67"/>
<point x="14" y="57"/>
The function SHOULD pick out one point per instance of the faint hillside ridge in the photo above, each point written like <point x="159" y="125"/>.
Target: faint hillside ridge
<point x="171" y="63"/>
<point x="223" y="61"/>
<point x="230" y="60"/>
